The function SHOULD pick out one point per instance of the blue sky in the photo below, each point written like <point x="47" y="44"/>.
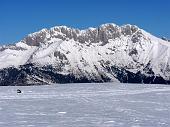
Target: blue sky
<point x="21" y="17"/>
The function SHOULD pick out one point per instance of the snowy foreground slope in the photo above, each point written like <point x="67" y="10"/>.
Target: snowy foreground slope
<point x="65" y="55"/>
<point x="85" y="105"/>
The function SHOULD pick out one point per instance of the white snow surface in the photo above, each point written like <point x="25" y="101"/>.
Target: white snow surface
<point x="85" y="105"/>
<point x="11" y="57"/>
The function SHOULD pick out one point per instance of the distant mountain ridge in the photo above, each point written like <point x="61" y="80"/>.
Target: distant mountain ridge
<point x="109" y="53"/>
<point x="165" y="39"/>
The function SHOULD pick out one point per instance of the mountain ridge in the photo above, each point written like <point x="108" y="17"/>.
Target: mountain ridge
<point x="107" y="53"/>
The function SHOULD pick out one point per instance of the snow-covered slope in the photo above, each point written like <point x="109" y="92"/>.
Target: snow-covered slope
<point x="86" y="105"/>
<point x="107" y="53"/>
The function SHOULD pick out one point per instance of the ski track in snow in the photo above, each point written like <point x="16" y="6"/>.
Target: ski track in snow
<point x="85" y="105"/>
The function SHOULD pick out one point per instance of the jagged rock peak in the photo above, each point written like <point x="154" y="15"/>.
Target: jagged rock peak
<point x="91" y="35"/>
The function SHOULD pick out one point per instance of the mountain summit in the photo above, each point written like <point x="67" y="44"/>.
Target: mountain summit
<point x="109" y="53"/>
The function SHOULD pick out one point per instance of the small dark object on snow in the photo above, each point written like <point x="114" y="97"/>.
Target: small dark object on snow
<point x="18" y="91"/>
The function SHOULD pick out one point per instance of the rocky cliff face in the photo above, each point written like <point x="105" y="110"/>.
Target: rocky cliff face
<point x="107" y="53"/>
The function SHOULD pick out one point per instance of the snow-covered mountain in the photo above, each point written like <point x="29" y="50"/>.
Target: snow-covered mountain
<point x="107" y="53"/>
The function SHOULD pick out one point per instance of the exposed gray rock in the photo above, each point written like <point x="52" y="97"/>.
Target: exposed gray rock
<point x="93" y="35"/>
